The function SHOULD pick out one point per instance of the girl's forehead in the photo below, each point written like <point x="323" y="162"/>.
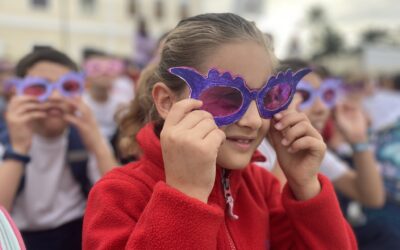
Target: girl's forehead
<point x="246" y="59"/>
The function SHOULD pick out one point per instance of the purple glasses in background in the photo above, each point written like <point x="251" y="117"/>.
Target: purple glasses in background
<point x="70" y="84"/>
<point x="228" y="98"/>
<point x="328" y="93"/>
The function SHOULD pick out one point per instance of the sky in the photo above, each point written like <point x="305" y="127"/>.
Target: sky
<point x="284" y="18"/>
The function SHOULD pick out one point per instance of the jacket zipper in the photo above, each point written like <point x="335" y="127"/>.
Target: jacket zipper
<point x="229" y="202"/>
<point x="230" y="240"/>
<point x="228" y="195"/>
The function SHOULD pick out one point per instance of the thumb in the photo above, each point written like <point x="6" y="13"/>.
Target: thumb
<point x="274" y="136"/>
<point x="296" y="101"/>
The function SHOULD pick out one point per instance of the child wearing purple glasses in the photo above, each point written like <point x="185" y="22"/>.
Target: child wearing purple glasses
<point x="101" y="71"/>
<point x="362" y="183"/>
<point x="196" y="185"/>
<point x="52" y="152"/>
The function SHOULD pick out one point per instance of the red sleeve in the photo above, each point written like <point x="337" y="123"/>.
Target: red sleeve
<point x="118" y="219"/>
<point x="317" y="223"/>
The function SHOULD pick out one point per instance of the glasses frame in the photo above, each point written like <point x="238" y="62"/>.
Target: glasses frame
<point x="328" y="84"/>
<point x="198" y="83"/>
<point x="22" y="84"/>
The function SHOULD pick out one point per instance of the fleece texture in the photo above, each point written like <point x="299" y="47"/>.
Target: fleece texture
<point x="133" y="208"/>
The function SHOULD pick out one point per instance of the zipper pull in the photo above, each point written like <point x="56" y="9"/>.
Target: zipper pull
<point x="228" y="195"/>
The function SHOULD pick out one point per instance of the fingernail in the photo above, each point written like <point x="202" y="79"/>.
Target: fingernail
<point x="278" y="126"/>
<point x="278" y="116"/>
<point x="284" y="142"/>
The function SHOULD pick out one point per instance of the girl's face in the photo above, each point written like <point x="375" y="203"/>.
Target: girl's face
<point x="251" y="61"/>
<point x="318" y="112"/>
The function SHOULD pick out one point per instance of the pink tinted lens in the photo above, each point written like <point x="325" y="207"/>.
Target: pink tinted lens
<point x="304" y="94"/>
<point x="277" y="96"/>
<point x="92" y="68"/>
<point x="71" y="87"/>
<point x="35" y="90"/>
<point x="329" y="95"/>
<point x="221" y="101"/>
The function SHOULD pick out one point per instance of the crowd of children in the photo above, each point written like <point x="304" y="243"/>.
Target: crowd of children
<point x="224" y="146"/>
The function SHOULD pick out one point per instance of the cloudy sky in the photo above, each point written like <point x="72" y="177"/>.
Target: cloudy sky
<point x="349" y="17"/>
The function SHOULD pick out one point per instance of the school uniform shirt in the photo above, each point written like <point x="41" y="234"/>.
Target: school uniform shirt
<point x="331" y="166"/>
<point x="133" y="208"/>
<point x="51" y="196"/>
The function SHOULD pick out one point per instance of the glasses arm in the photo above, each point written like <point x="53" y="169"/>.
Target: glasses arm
<point x="299" y="75"/>
<point x="193" y="78"/>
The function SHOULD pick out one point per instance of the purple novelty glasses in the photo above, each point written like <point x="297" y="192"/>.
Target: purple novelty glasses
<point x="103" y="67"/>
<point x="328" y="93"/>
<point x="70" y="84"/>
<point x="228" y="98"/>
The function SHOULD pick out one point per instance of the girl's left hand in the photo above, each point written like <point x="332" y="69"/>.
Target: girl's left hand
<point x="300" y="150"/>
<point x="83" y="119"/>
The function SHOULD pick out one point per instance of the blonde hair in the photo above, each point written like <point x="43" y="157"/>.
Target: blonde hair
<point x="188" y="44"/>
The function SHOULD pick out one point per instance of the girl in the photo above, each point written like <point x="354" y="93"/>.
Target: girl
<point x="181" y="194"/>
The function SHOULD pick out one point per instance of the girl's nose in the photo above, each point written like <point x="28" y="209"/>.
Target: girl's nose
<point x="251" y="118"/>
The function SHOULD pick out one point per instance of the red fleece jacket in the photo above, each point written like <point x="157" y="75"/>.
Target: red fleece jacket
<point x="133" y="208"/>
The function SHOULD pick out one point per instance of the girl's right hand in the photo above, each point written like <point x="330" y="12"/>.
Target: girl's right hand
<point x="190" y="142"/>
<point x="21" y="112"/>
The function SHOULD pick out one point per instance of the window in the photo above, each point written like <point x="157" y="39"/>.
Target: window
<point x="184" y="10"/>
<point x="40" y="4"/>
<point x="88" y="6"/>
<point x="159" y="10"/>
<point x="249" y="6"/>
<point x="132" y="7"/>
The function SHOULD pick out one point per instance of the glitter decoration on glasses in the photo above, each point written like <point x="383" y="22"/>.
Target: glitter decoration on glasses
<point x="227" y="98"/>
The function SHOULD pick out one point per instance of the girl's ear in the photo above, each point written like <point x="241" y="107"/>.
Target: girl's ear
<point x="163" y="98"/>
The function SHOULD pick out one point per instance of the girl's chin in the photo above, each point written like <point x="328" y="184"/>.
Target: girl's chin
<point x="234" y="163"/>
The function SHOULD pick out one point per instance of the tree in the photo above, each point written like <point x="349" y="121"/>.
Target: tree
<point x="325" y="39"/>
<point x="374" y="35"/>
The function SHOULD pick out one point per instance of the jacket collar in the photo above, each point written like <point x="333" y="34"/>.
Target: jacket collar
<point x="151" y="148"/>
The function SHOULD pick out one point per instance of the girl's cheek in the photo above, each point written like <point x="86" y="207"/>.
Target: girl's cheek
<point x="266" y="125"/>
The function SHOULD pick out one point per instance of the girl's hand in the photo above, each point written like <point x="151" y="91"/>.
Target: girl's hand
<point x="300" y="150"/>
<point x="190" y="141"/>
<point x="351" y="122"/>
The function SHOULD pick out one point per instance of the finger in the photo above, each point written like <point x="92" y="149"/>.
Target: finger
<point x="283" y="113"/>
<point x="179" y="110"/>
<point x="293" y="133"/>
<point x="76" y="121"/>
<point x="297" y="100"/>
<point x="18" y="101"/>
<point x="215" y="137"/>
<point x="79" y="105"/>
<point x="289" y="119"/>
<point x="307" y="143"/>
<point x="26" y="108"/>
<point x="203" y="128"/>
<point x="193" y="118"/>
<point x="32" y="116"/>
